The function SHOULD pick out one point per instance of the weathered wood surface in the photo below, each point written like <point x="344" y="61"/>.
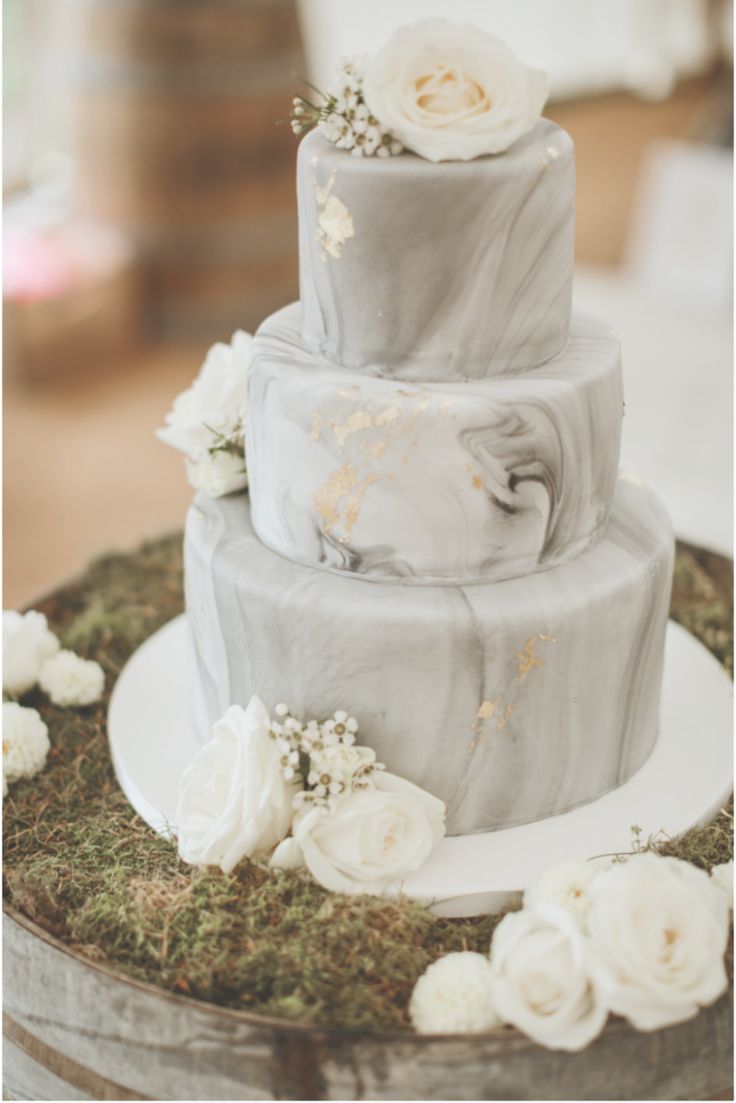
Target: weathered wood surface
<point x="76" y="1030"/>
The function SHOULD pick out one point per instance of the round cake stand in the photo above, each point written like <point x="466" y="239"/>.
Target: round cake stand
<point x="686" y="779"/>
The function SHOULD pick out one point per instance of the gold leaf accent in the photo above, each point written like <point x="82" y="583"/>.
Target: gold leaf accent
<point x="361" y="419"/>
<point x="329" y="494"/>
<point x="486" y="709"/>
<point x="315" y="431"/>
<point x="527" y="658"/>
<point x="343" y="483"/>
<point x="503" y="720"/>
<point x="387" y="416"/>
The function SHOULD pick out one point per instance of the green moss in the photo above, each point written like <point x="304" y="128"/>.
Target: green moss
<point x="81" y="863"/>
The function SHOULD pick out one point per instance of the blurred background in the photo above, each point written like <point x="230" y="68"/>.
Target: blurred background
<point x="149" y="209"/>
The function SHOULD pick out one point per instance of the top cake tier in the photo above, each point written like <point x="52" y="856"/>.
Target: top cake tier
<point x="432" y="272"/>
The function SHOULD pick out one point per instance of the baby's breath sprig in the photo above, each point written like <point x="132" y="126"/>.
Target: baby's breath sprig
<point x="323" y="756"/>
<point x="343" y="117"/>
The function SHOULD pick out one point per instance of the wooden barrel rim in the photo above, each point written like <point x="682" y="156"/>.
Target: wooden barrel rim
<point x="507" y="1034"/>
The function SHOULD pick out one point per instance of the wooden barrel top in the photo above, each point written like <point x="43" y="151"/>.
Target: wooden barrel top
<point x="75" y="1029"/>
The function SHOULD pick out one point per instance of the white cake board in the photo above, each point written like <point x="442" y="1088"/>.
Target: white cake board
<point x="685" y="780"/>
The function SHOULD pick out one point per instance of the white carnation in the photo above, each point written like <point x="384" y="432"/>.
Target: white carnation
<point x="722" y="876"/>
<point x="541" y="978"/>
<point x="25" y="742"/>
<point x="27" y="643"/>
<point x="217" y="473"/>
<point x="70" y="680"/>
<point x="451" y="92"/>
<point x="234" y="802"/>
<point x="453" y="996"/>
<point x="567" y="886"/>
<point x="658" y="928"/>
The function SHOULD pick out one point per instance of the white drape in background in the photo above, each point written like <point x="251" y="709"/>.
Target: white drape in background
<point x="587" y="46"/>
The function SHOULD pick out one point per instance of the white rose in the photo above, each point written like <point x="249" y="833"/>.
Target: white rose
<point x="566" y="885"/>
<point x="451" y="92"/>
<point x="368" y="839"/>
<point x="215" y="402"/>
<point x="70" y="680"/>
<point x="541" y="978"/>
<point x="722" y="876"/>
<point x="27" y="643"/>
<point x="658" y="928"/>
<point x="453" y="996"/>
<point x="234" y="802"/>
<point x="25" y="742"/>
<point x="217" y="473"/>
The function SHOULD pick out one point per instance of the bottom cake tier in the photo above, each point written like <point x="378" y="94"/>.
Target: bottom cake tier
<point x="511" y="701"/>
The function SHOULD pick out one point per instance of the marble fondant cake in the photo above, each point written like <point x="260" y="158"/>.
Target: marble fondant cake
<point x="510" y="701"/>
<point x="458" y="482"/>
<point x="426" y="271"/>
<point x="435" y="535"/>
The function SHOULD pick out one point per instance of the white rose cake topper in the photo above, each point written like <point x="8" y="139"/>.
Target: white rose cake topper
<point x="446" y="91"/>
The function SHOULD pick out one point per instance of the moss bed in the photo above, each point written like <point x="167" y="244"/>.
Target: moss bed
<point x="84" y="866"/>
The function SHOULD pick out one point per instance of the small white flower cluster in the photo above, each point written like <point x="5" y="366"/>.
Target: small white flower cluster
<point x="323" y="754"/>
<point x="644" y="938"/>
<point x="32" y="656"/>
<point x="207" y="420"/>
<point x="303" y="795"/>
<point x="344" y="118"/>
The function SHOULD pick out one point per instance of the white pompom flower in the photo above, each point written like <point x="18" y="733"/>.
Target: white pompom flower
<point x="566" y="885"/>
<point x="25" y="743"/>
<point x="70" y="680"/>
<point x="453" y="996"/>
<point x="27" y="643"/>
<point x="722" y="875"/>
<point x="658" y="929"/>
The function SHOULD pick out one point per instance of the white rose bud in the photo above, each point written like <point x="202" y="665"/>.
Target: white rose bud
<point x="658" y="928"/>
<point x="451" y="92"/>
<point x="27" y="643"/>
<point x="234" y="802"/>
<point x="541" y="978"/>
<point x="453" y="996"/>
<point x="369" y="839"/>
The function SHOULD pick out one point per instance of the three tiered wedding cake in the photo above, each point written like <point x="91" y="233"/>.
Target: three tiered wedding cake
<point x="436" y="533"/>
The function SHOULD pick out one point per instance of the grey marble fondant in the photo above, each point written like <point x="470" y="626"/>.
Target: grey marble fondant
<point x="425" y="271"/>
<point x="512" y="701"/>
<point x="465" y="481"/>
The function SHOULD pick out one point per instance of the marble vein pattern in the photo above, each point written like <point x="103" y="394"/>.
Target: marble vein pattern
<point x="443" y="271"/>
<point x="454" y="482"/>
<point x="511" y="701"/>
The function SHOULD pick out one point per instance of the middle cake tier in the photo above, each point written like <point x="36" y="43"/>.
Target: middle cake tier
<point x="480" y="480"/>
